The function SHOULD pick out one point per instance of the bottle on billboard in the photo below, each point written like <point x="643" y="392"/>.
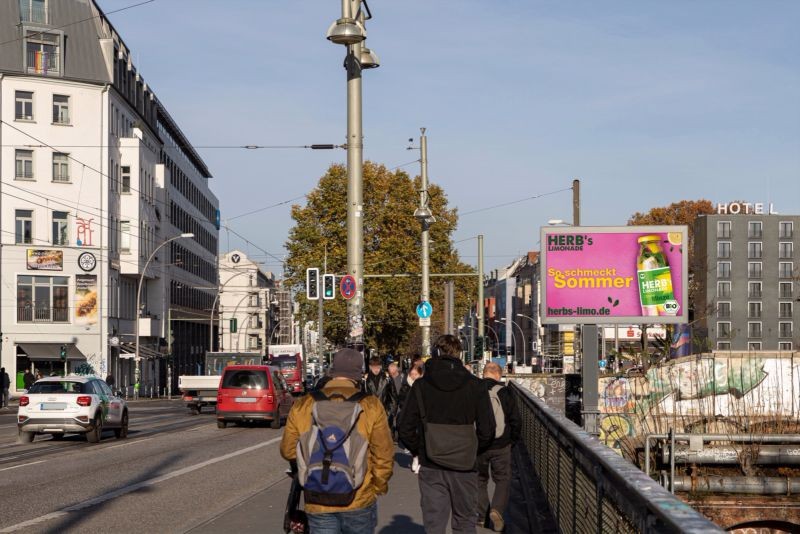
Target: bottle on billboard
<point x="655" y="278"/>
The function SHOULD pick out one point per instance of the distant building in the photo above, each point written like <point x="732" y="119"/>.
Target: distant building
<point x="748" y="278"/>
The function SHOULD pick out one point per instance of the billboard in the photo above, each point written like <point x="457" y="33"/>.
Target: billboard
<point x="619" y="274"/>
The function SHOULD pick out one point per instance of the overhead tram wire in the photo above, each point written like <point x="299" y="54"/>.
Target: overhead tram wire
<point x="504" y="204"/>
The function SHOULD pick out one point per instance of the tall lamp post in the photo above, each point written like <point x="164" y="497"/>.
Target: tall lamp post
<point x="425" y="217"/>
<point x="524" y="345"/>
<point x="137" y="359"/>
<point x="534" y="330"/>
<point x="349" y="30"/>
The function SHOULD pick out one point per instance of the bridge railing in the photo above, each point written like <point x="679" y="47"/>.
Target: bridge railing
<point x="589" y="487"/>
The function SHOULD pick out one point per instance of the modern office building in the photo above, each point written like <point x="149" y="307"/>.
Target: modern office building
<point x="748" y="278"/>
<point x="96" y="176"/>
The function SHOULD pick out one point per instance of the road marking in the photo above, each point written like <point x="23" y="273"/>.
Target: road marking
<point x="134" y="487"/>
<point x="128" y="443"/>
<point x="23" y="465"/>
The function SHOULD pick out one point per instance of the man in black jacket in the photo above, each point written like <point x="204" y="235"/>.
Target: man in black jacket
<point x="450" y="396"/>
<point x="498" y="456"/>
<point x="377" y="383"/>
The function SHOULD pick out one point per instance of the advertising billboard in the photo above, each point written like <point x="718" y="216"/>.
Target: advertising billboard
<point x="620" y="274"/>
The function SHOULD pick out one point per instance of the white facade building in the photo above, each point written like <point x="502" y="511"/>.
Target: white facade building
<point x="88" y="161"/>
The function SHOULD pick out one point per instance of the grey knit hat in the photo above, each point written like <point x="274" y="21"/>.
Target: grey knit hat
<point x="348" y="363"/>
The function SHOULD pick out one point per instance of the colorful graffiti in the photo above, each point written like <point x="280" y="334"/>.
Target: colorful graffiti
<point x="614" y="429"/>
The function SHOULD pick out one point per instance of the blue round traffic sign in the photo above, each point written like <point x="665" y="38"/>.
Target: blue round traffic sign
<point x="424" y="309"/>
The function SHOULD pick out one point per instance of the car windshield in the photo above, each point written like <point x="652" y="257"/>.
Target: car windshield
<point x="58" y="387"/>
<point x="286" y="364"/>
<point x="244" y="379"/>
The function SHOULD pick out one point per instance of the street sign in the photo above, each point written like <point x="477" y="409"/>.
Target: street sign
<point x="425" y="322"/>
<point x="424" y="309"/>
<point x="347" y="287"/>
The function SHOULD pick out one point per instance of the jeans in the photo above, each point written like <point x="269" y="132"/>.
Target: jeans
<point x="361" y="521"/>
<point x="444" y="493"/>
<point x="499" y="460"/>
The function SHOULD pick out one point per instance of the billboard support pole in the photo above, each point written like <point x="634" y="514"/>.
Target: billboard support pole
<point x="589" y="376"/>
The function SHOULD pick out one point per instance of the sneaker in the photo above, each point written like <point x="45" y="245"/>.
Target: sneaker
<point x="415" y="465"/>
<point x="497" y="520"/>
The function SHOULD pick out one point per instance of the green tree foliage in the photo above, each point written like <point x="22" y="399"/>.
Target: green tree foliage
<point x="391" y="246"/>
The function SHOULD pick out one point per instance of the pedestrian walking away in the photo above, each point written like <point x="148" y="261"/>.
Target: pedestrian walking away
<point x="496" y="460"/>
<point x="28" y="379"/>
<point x="5" y="382"/>
<point x="110" y="380"/>
<point x="447" y="421"/>
<point x="338" y="444"/>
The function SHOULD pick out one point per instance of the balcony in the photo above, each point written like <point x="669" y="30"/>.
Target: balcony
<point x="42" y="314"/>
<point x="43" y="62"/>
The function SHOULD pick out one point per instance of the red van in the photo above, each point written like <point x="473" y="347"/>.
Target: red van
<point x="252" y="393"/>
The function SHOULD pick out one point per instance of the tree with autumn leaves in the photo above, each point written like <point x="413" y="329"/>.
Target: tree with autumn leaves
<point x="392" y="245"/>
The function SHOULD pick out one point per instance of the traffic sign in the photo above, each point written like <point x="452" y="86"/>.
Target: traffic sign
<point x="425" y="322"/>
<point x="424" y="309"/>
<point x="347" y="287"/>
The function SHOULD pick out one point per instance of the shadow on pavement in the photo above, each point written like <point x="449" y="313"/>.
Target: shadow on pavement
<point x="402" y="524"/>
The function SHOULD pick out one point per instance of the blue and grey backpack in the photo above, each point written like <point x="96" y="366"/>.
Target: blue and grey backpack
<point x="332" y="455"/>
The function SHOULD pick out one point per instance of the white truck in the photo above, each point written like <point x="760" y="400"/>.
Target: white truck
<point x="201" y="390"/>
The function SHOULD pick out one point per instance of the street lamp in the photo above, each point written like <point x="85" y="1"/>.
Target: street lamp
<point x="137" y="359"/>
<point x="349" y="30"/>
<point x="524" y="345"/>
<point x="424" y="215"/>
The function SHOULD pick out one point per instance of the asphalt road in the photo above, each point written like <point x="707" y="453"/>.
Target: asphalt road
<point x="174" y="473"/>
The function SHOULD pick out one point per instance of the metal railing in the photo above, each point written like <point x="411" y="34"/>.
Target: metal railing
<point x="42" y="314"/>
<point x="589" y="487"/>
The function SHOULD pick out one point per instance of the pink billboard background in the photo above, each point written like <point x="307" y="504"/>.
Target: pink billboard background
<point x="608" y="251"/>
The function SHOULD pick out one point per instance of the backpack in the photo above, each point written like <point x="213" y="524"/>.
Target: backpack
<point x="451" y="446"/>
<point x="332" y="455"/>
<point x="497" y="410"/>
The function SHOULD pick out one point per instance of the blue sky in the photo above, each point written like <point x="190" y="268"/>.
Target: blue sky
<point x="646" y="102"/>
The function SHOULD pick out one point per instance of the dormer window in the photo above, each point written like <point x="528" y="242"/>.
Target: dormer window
<point x="33" y="11"/>
<point x="42" y="53"/>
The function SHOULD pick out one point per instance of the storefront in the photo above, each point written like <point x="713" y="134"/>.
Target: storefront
<point x="46" y="359"/>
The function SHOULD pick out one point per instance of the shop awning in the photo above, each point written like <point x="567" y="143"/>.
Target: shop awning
<point x="128" y="350"/>
<point x="48" y="352"/>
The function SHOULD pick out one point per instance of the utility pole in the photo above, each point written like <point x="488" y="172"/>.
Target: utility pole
<point x="576" y="202"/>
<point x="480" y="291"/>
<point x="449" y="301"/>
<point x="321" y="317"/>
<point x="424" y="215"/>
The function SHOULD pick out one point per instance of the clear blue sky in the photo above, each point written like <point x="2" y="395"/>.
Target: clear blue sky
<point x="647" y="102"/>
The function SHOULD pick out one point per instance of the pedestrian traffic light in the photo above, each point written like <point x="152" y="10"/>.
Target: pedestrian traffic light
<point x="329" y="286"/>
<point x="234" y="325"/>
<point x="63" y="353"/>
<point x="312" y="283"/>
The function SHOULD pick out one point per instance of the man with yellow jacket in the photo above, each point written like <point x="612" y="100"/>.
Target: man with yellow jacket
<point x="361" y="515"/>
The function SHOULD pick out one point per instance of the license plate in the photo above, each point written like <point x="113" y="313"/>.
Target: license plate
<point x="53" y="405"/>
<point x="246" y="400"/>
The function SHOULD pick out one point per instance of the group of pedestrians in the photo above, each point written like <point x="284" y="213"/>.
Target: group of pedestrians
<point x="458" y="428"/>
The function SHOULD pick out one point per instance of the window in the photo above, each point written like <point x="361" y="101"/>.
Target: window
<point x="723" y="269"/>
<point x="23" y="227"/>
<point x="785" y="250"/>
<point x="723" y="310"/>
<point x="754" y="250"/>
<point x="754" y="310"/>
<point x="724" y="330"/>
<point x="60" y="228"/>
<point x="754" y="229"/>
<point x="785" y="329"/>
<point x="754" y="290"/>
<point x="754" y="269"/>
<point x="785" y="345"/>
<point x="126" y="179"/>
<point x="754" y="330"/>
<point x="723" y="345"/>
<point x="23" y="105"/>
<point x="785" y="269"/>
<point x="785" y="229"/>
<point x="754" y="345"/>
<point x="785" y="290"/>
<point x="125" y="239"/>
<point x="60" y="167"/>
<point x="42" y="52"/>
<point x="724" y="249"/>
<point x="723" y="230"/>
<point x="24" y="164"/>
<point x="33" y="11"/>
<point x="785" y="310"/>
<point x="60" y="109"/>
<point x="43" y="299"/>
<point x="723" y="290"/>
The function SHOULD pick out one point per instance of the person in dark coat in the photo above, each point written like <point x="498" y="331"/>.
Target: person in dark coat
<point x="110" y="380"/>
<point x="5" y="382"/>
<point x="377" y="383"/>
<point x="28" y="379"/>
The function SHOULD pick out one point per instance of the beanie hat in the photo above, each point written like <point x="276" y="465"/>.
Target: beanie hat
<point x="348" y="363"/>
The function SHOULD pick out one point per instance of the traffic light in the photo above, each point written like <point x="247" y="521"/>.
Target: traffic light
<point x="478" y="352"/>
<point x="63" y="353"/>
<point x="329" y="286"/>
<point x="234" y="325"/>
<point x="312" y="283"/>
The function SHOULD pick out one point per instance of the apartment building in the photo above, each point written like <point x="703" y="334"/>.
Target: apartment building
<point x="748" y="277"/>
<point x="89" y="160"/>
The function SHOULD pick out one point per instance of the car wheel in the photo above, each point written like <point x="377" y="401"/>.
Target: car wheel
<point x="221" y="424"/>
<point x="93" y="436"/>
<point x="122" y="431"/>
<point x="26" y="437"/>
<point x="276" y="422"/>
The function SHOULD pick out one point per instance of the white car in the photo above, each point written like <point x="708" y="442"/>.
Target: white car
<point x="71" y="404"/>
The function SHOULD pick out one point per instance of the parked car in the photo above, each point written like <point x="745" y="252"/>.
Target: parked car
<point x="252" y="393"/>
<point x="72" y="404"/>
